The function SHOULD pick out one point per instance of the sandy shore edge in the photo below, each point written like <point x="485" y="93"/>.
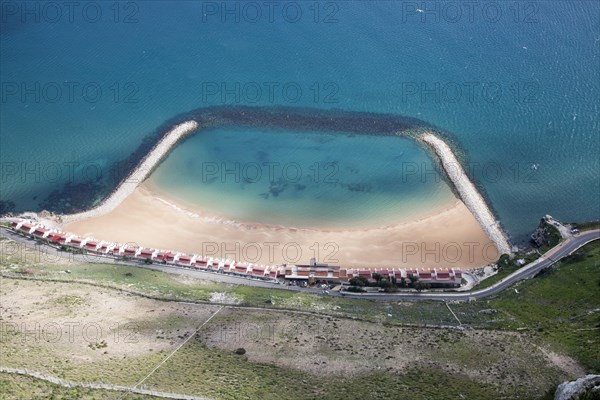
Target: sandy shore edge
<point x="450" y="237"/>
<point x="468" y="192"/>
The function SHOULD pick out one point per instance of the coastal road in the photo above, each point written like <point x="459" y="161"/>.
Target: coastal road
<point x="564" y="249"/>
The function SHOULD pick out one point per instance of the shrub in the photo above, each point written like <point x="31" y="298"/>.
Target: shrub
<point x="240" y="351"/>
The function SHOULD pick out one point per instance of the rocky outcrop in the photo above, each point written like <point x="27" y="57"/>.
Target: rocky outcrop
<point x="573" y="390"/>
<point x="545" y="235"/>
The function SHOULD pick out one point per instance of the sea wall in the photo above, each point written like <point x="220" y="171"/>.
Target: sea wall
<point x="468" y="192"/>
<point x="138" y="174"/>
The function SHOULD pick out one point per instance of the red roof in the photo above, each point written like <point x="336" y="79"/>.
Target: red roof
<point x="40" y="231"/>
<point x="57" y="238"/>
<point x="76" y="241"/>
<point x="26" y="227"/>
<point x="91" y="245"/>
<point x="14" y="224"/>
<point x="147" y="252"/>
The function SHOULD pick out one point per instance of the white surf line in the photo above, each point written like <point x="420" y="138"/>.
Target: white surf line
<point x="447" y="305"/>
<point x="139" y="173"/>
<point x="177" y="349"/>
<point x="98" y="386"/>
<point x="468" y="192"/>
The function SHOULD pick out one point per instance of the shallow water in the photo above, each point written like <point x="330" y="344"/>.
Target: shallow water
<point x="302" y="179"/>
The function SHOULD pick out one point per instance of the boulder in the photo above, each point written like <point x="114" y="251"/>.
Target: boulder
<point x="572" y="390"/>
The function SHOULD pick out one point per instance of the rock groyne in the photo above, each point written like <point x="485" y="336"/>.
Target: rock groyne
<point x="138" y="174"/>
<point x="468" y="192"/>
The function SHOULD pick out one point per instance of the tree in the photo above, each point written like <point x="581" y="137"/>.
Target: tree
<point x="413" y="281"/>
<point x="359" y="281"/>
<point x="421" y="286"/>
<point x="387" y="285"/>
<point x="377" y="277"/>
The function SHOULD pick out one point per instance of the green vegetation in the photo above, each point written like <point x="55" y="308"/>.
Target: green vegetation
<point x="559" y="310"/>
<point x="70" y="249"/>
<point x="560" y="307"/>
<point x="226" y="375"/>
<point x="507" y="266"/>
<point x="388" y="285"/>
<point x="546" y="236"/>
<point x="586" y="226"/>
<point x="21" y="387"/>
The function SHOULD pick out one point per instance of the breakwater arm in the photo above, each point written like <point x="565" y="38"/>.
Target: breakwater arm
<point x="138" y="174"/>
<point x="468" y="192"/>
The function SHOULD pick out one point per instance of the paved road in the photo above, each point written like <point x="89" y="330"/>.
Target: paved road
<point x="564" y="249"/>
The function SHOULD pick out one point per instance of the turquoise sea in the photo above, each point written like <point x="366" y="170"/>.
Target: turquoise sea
<point x="302" y="179"/>
<point x="515" y="84"/>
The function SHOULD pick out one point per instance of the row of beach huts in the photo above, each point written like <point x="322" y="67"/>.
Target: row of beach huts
<point x="313" y="272"/>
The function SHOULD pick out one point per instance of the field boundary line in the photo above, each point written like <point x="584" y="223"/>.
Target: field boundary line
<point x="448" y="305"/>
<point x="177" y="348"/>
<point x="99" y="386"/>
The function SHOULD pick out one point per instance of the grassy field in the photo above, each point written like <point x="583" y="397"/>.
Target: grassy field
<point x="231" y="376"/>
<point x="561" y="306"/>
<point x="28" y="388"/>
<point x="325" y="357"/>
<point x="540" y="331"/>
<point x="29" y="263"/>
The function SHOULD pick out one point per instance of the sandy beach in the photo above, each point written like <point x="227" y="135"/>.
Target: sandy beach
<point x="451" y="237"/>
<point x="463" y="233"/>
